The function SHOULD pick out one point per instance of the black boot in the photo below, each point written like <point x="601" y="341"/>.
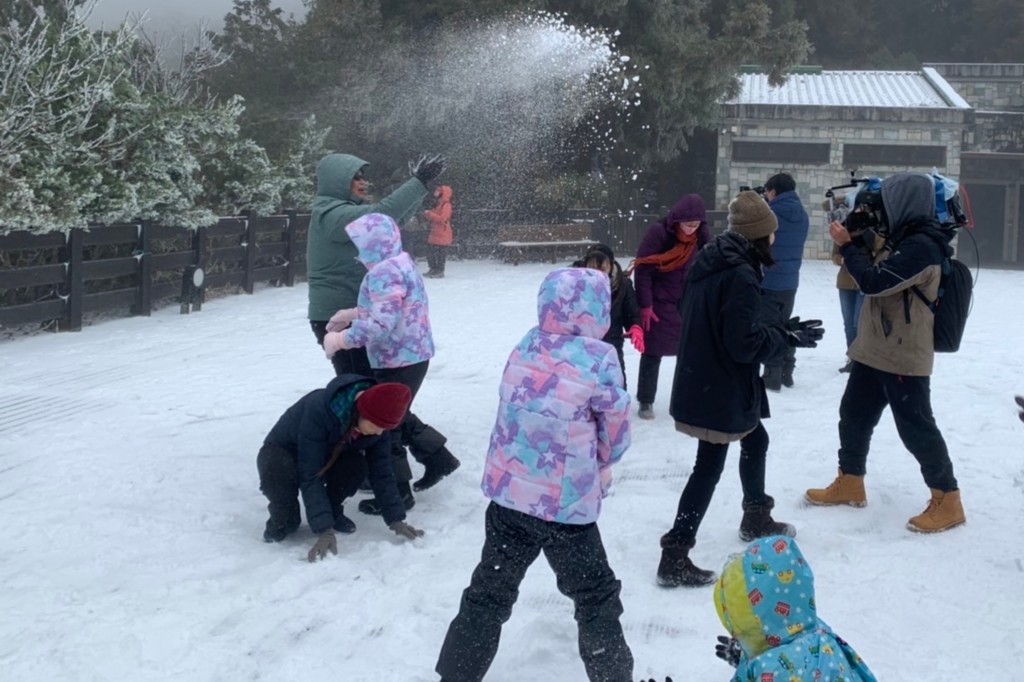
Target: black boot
<point x="372" y="508"/>
<point x="440" y="464"/>
<point x="276" y="531"/>
<point x="676" y="569"/>
<point x="787" y="377"/>
<point x="344" y="524"/>
<point x="758" y="522"/>
<point x="772" y="378"/>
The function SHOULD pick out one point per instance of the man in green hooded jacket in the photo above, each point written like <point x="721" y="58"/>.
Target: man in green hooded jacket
<point x="332" y="270"/>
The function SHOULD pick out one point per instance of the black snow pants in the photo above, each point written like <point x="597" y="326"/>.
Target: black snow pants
<point x="279" y="482"/>
<point x="868" y="391"/>
<point x="576" y="554"/>
<point x="352" y="361"/>
<point x="707" y="470"/>
<point x="423" y="440"/>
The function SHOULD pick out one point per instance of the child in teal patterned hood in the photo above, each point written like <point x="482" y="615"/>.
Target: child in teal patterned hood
<point x="765" y="599"/>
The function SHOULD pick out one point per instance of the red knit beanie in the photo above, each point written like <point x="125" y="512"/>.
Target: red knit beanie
<point x="384" y="404"/>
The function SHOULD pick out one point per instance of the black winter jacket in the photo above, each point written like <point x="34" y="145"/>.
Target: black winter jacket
<point x="310" y="431"/>
<point x="717" y="384"/>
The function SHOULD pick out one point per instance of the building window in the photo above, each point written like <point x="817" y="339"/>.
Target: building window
<point x="781" y="152"/>
<point x="858" y="155"/>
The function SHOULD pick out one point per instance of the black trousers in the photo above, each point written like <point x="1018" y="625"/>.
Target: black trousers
<point x="868" y="391"/>
<point x="436" y="257"/>
<point x="352" y="361"/>
<point x="577" y="556"/>
<point x="423" y="440"/>
<point x="279" y="482"/>
<point x="647" y="378"/>
<point x="707" y="470"/>
<point x="777" y="306"/>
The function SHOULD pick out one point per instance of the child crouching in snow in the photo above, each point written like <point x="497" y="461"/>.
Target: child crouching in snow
<point x="563" y="420"/>
<point x="765" y="599"/>
<point x="322" y="447"/>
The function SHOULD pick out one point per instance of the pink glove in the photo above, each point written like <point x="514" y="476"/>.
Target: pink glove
<point x="646" y="317"/>
<point x="335" y="341"/>
<point x="342" y="319"/>
<point x="636" y="336"/>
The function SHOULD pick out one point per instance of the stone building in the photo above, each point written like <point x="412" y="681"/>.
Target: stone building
<point x="992" y="158"/>
<point x="821" y="125"/>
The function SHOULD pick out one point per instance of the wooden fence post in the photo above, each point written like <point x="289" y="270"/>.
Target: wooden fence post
<point x="249" y="274"/>
<point x="144" y="296"/>
<point x="199" y="244"/>
<point x="75" y="280"/>
<point x="291" y="242"/>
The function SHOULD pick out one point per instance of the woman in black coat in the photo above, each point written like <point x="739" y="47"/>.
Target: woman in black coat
<point x="717" y="395"/>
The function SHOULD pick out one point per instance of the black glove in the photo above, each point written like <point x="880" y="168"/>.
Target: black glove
<point x="728" y="649"/>
<point x="1020" y="404"/>
<point x="405" y="530"/>
<point x="651" y="679"/>
<point x="804" y="334"/>
<point x="325" y="542"/>
<point x="427" y="168"/>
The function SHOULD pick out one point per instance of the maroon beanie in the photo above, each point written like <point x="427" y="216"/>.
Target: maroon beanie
<point x="384" y="404"/>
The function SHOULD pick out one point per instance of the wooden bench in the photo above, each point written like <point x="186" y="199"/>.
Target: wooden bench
<point x="516" y="242"/>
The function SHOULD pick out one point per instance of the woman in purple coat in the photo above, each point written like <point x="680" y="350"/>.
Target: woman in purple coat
<point x="659" y="276"/>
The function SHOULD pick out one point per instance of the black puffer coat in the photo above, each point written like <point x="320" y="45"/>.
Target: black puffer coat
<point x="717" y="385"/>
<point x="310" y="430"/>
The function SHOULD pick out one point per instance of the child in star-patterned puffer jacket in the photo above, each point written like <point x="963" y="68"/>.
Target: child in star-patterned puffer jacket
<point x="563" y="420"/>
<point x="765" y="599"/>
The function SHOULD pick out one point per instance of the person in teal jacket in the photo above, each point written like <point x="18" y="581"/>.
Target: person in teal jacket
<point x="765" y="599"/>
<point x="332" y="270"/>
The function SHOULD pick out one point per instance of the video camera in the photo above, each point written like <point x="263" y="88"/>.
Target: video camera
<point x="747" y="188"/>
<point x="861" y="208"/>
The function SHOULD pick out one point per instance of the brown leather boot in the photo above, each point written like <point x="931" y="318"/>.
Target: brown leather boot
<point x="676" y="569"/>
<point x="846" y="489"/>
<point x="758" y="522"/>
<point x="943" y="512"/>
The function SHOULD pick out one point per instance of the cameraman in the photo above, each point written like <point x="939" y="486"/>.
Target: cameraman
<point x="894" y="350"/>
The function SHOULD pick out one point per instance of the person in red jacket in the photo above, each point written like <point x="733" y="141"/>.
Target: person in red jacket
<point x="440" y="237"/>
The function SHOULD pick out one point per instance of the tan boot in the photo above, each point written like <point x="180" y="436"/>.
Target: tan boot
<point x="943" y="512"/>
<point x="846" y="489"/>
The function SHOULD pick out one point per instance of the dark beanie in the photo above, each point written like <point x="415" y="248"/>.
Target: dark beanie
<point x="384" y="404"/>
<point x="750" y="216"/>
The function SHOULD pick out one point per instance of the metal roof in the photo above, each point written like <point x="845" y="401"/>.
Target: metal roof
<point x="899" y="89"/>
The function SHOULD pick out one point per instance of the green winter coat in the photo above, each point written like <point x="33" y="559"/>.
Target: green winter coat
<point x="333" y="272"/>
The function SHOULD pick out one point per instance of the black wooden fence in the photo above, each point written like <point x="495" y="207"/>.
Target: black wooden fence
<point x="59" y="277"/>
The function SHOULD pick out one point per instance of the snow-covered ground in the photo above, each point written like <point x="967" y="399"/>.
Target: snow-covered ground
<point x="130" y="540"/>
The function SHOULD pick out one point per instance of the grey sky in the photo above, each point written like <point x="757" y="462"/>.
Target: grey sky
<point x="173" y="16"/>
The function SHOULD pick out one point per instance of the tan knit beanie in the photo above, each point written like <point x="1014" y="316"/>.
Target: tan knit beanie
<point x="750" y="216"/>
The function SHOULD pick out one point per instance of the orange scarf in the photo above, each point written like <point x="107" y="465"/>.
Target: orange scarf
<point x="674" y="258"/>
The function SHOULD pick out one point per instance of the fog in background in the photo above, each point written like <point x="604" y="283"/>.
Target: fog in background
<point x="174" y="18"/>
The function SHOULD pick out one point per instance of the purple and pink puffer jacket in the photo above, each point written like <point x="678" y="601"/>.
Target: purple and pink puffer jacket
<point x="563" y="416"/>
<point x="394" y="314"/>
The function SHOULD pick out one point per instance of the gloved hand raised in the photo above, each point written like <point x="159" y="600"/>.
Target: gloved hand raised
<point x="325" y="542"/>
<point x="1020" y="404"/>
<point x="405" y="530"/>
<point x="647" y="316"/>
<point x="335" y="341"/>
<point x="636" y="337"/>
<point x="342" y="319"/>
<point x="427" y="168"/>
<point x="804" y="334"/>
<point x="728" y="649"/>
